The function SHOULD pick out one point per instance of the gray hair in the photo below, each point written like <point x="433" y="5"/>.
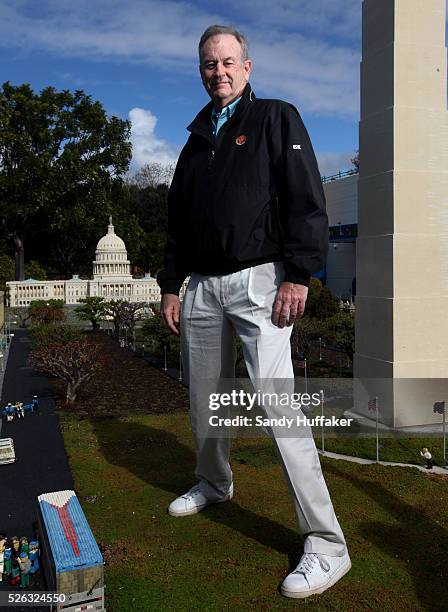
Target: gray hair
<point x="215" y="30"/>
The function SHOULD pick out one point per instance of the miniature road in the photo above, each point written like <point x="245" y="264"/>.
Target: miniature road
<point x="41" y="462"/>
<point x="4" y="352"/>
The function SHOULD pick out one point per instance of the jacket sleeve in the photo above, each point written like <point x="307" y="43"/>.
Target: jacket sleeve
<point x="301" y="196"/>
<point x="171" y="277"/>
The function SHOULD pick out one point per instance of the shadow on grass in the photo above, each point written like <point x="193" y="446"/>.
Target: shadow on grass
<point x="416" y="539"/>
<point x="164" y="462"/>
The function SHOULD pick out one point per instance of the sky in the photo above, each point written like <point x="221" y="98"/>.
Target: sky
<point x="139" y="58"/>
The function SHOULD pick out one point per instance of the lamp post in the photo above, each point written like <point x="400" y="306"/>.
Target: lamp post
<point x="322" y="413"/>
<point x="440" y="408"/>
<point x="373" y="405"/>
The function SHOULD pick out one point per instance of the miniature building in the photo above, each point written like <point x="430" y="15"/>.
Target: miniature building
<point x="112" y="280"/>
<point x="341" y="194"/>
<point x="71" y="559"/>
<point x="7" y="453"/>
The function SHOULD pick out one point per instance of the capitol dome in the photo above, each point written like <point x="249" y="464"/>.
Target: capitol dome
<point x="111" y="256"/>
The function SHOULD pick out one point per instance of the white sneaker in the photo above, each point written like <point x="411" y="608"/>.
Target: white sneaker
<point x="194" y="501"/>
<point x="314" y="574"/>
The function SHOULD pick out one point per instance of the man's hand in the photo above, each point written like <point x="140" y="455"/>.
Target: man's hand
<point x="170" y="311"/>
<point x="289" y="303"/>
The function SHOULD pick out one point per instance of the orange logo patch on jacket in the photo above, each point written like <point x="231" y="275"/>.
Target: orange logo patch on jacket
<point x="241" y="139"/>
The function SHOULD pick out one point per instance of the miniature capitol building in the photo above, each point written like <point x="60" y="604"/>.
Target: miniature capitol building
<point x="112" y="279"/>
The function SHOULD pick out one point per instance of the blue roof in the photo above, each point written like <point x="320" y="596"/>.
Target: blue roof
<point x="71" y="540"/>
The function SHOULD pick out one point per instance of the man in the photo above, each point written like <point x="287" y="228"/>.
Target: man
<point x="247" y="220"/>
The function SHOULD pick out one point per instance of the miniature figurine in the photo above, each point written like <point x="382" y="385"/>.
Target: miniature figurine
<point x="9" y="410"/>
<point x="2" y="555"/>
<point x="429" y="460"/>
<point x="33" y="406"/>
<point x="7" y="561"/>
<point x="15" y="572"/>
<point x="24" y="546"/>
<point x="19" y="411"/>
<point x="25" y="566"/>
<point x="15" y="546"/>
<point x="34" y="556"/>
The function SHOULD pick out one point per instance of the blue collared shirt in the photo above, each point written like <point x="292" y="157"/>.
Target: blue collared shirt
<point x="219" y="117"/>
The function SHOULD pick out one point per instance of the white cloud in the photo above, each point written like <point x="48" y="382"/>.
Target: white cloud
<point x="325" y="18"/>
<point x="303" y="50"/>
<point x="307" y="51"/>
<point x="146" y="146"/>
<point x="315" y="76"/>
<point x="332" y="163"/>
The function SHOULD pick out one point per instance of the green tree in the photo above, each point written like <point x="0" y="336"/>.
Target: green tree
<point x="327" y="305"/>
<point x="6" y="271"/>
<point x="33" y="269"/>
<point x="60" y="155"/>
<point x="304" y="331"/>
<point x="314" y="291"/>
<point x="157" y="336"/>
<point x="93" y="309"/>
<point x="340" y="330"/>
<point x="140" y="216"/>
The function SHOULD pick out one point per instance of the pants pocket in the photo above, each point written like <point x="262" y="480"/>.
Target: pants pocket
<point x="263" y="283"/>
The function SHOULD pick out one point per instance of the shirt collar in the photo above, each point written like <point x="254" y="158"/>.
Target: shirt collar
<point x="226" y="112"/>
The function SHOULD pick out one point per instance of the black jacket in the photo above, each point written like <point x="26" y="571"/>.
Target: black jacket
<point x="252" y="195"/>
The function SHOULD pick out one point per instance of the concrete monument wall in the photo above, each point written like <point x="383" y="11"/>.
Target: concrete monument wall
<point x="402" y="246"/>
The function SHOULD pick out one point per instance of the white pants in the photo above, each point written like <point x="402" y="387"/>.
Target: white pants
<point x="212" y="308"/>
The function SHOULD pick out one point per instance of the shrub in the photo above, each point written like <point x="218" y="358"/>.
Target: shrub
<point x="53" y="333"/>
<point x="43" y="312"/>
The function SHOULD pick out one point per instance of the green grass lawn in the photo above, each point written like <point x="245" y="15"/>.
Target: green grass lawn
<point x="234" y="555"/>
<point x="400" y="449"/>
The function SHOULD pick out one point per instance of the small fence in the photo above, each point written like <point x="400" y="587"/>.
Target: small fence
<point x="339" y="175"/>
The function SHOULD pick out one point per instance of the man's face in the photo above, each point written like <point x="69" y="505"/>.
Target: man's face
<point x="224" y="73"/>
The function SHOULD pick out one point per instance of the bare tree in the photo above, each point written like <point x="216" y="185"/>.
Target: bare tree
<point x="153" y="174"/>
<point x="125" y="315"/>
<point x="355" y="160"/>
<point x="73" y="362"/>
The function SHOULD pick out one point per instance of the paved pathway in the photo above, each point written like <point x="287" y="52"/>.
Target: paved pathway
<point x="435" y="470"/>
<point x="4" y="352"/>
<point x="41" y="462"/>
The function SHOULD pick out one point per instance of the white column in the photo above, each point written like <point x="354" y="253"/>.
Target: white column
<point x="402" y="246"/>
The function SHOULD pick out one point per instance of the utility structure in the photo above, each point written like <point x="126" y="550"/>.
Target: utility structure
<point x="402" y="247"/>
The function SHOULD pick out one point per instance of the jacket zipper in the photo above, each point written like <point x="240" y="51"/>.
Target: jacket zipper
<point x="217" y="141"/>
